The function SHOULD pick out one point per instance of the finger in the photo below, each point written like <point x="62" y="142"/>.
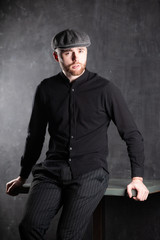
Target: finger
<point x="129" y="191"/>
<point x="139" y="196"/>
<point x="8" y="186"/>
<point x="146" y="195"/>
<point x="135" y="198"/>
<point x="11" y="187"/>
<point x="9" y="183"/>
<point x="13" y="190"/>
<point x="142" y="196"/>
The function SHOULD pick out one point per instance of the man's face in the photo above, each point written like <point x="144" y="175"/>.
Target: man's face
<point x="73" y="60"/>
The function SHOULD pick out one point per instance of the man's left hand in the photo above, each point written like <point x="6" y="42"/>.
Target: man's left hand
<point x="142" y="191"/>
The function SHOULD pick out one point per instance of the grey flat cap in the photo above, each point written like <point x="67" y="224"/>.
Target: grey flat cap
<point x="70" y="38"/>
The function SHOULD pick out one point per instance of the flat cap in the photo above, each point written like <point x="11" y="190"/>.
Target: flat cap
<point x="70" y="38"/>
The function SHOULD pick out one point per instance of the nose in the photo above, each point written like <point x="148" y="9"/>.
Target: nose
<point x="74" y="57"/>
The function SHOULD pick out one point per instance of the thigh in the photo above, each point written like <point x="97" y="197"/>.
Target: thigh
<point x="43" y="202"/>
<point x="80" y="200"/>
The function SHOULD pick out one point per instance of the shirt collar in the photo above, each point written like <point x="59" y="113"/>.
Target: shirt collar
<point x="81" y="78"/>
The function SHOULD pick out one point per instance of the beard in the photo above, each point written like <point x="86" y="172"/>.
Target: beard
<point x="74" y="72"/>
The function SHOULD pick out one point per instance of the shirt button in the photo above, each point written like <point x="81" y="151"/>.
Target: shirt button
<point x="70" y="148"/>
<point x="72" y="136"/>
<point x="72" y="89"/>
<point x="69" y="159"/>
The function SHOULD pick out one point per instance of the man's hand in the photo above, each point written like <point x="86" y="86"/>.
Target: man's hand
<point x="12" y="187"/>
<point x="142" y="191"/>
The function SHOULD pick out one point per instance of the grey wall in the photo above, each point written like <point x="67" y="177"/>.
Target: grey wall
<point x="125" y="48"/>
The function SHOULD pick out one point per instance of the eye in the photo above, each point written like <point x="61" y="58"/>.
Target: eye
<point x="66" y="53"/>
<point x="81" y="50"/>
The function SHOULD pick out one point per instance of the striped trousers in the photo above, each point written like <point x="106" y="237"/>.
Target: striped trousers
<point x="79" y="198"/>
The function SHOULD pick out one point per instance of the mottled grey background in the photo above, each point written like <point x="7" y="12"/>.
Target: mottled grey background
<point x="125" y="48"/>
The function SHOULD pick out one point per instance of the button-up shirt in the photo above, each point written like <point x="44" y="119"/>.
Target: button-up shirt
<point x="78" y="114"/>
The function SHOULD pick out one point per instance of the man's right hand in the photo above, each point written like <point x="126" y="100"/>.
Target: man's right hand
<point x="12" y="187"/>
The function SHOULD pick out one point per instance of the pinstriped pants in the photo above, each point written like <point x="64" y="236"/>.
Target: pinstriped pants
<point x="79" y="198"/>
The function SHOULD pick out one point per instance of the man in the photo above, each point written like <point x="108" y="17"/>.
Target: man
<point x="77" y="106"/>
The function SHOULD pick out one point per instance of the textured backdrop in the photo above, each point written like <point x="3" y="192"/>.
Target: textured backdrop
<point x="125" y="49"/>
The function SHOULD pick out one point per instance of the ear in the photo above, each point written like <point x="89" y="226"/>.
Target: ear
<point x="55" y="56"/>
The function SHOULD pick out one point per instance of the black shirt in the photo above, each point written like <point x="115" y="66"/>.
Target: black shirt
<point x="78" y="115"/>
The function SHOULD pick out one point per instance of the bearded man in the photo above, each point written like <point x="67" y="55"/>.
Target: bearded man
<point x="77" y="106"/>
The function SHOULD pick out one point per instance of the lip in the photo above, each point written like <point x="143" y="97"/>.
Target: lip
<point x="75" y="66"/>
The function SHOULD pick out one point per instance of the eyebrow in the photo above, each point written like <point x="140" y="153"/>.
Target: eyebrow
<point x="66" y="50"/>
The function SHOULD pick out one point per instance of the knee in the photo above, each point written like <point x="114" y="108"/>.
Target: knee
<point x="26" y="227"/>
<point x="28" y="222"/>
<point x="31" y="229"/>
